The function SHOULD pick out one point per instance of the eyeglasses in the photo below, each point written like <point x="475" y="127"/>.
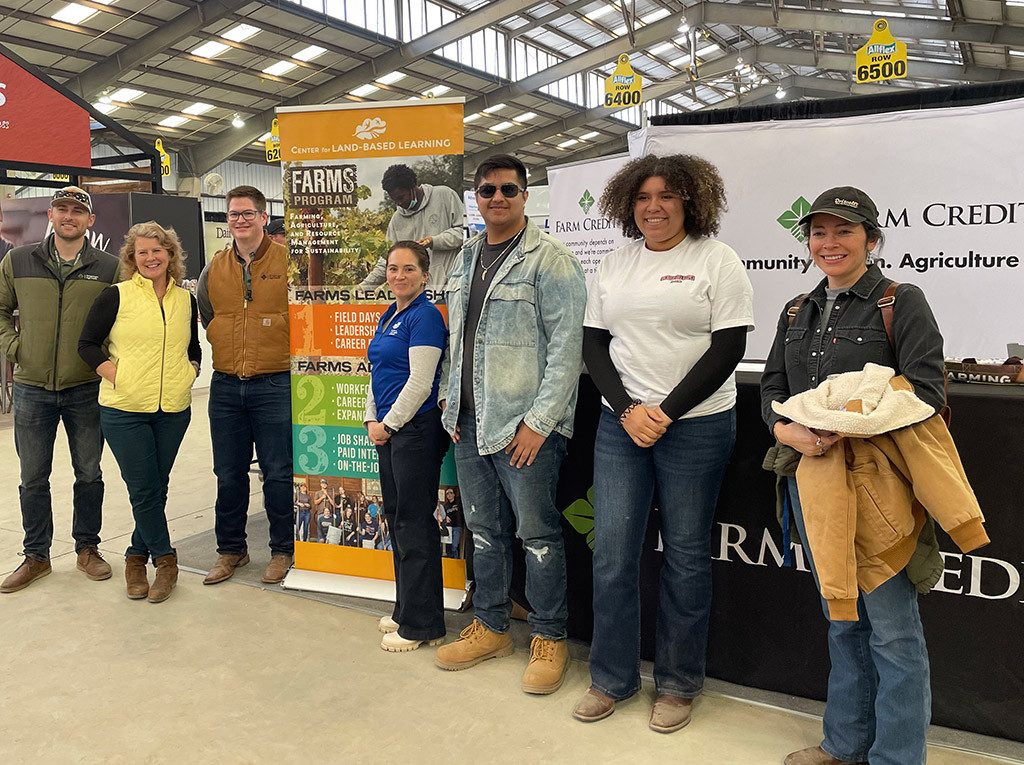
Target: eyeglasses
<point x="508" y="190"/>
<point x="244" y="214"/>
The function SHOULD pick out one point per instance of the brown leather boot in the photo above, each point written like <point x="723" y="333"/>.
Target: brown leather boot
<point x="30" y="570"/>
<point x="225" y="567"/>
<point x="135" y="576"/>
<point x="92" y="564"/>
<point x="166" y="577"/>
<point x="278" y="569"/>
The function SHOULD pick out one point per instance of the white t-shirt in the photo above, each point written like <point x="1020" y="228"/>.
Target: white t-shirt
<point x="661" y="308"/>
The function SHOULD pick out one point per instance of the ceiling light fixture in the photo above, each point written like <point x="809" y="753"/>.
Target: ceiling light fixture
<point x="238" y="122"/>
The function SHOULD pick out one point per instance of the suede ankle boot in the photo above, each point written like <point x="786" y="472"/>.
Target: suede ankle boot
<point x="135" y="576"/>
<point x="166" y="577"/>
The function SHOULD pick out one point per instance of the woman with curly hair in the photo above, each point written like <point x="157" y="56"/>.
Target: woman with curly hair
<point x="148" y="369"/>
<point x="665" y="327"/>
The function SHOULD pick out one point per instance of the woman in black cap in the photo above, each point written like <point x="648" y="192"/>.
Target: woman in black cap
<point x="879" y="697"/>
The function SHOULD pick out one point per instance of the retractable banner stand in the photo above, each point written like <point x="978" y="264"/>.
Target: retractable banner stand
<point x="949" y="197"/>
<point x="336" y="217"/>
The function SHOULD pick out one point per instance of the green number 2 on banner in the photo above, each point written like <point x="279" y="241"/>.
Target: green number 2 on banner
<point x="312" y="388"/>
<point x="319" y="438"/>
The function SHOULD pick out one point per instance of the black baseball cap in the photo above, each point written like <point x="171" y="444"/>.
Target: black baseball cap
<point x="848" y="202"/>
<point x="275" y="226"/>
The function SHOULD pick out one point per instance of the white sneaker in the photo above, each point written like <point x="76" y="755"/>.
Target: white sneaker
<point x="387" y="624"/>
<point x="395" y="643"/>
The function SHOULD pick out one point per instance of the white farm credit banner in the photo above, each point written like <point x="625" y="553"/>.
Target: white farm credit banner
<point x="949" y="185"/>
<point x="574" y="218"/>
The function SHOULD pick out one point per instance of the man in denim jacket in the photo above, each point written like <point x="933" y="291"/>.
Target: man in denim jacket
<point x="516" y="299"/>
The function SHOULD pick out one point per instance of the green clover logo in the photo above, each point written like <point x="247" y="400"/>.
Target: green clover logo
<point x="580" y="513"/>
<point x="790" y="220"/>
<point x="586" y="201"/>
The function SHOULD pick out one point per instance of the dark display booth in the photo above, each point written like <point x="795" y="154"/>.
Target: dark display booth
<point x="767" y="626"/>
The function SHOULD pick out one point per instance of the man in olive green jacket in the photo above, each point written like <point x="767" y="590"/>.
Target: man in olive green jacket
<point x="52" y="285"/>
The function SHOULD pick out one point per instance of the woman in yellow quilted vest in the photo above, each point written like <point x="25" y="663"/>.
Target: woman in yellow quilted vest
<point x="142" y="338"/>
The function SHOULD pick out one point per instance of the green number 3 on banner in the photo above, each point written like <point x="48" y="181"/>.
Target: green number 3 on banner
<point x="314" y="450"/>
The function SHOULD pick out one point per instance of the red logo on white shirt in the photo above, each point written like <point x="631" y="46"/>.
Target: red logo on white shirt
<point x="678" y="278"/>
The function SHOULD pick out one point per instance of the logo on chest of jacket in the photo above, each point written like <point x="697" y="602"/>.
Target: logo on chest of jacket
<point x="264" y="277"/>
<point x="678" y="278"/>
<point x="90" y="277"/>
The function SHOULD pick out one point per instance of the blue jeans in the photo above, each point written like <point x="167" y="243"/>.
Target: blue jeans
<point x="500" y="501"/>
<point x="244" y="413"/>
<point x="145" y="445"/>
<point x="36" y="414"/>
<point x="302" y="526"/>
<point x="879" y="692"/>
<point x="685" y="466"/>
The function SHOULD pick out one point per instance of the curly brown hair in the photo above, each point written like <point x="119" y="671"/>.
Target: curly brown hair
<point x="693" y="178"/>
<point x="168" y="240"/>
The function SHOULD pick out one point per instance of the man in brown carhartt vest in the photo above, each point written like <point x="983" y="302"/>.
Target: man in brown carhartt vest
<point x="243" y="303"/>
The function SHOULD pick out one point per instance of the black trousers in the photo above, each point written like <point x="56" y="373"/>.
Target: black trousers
<point x="410" y="471"/>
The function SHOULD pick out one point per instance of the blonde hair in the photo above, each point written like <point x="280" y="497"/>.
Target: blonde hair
<point x="167" y="239"/>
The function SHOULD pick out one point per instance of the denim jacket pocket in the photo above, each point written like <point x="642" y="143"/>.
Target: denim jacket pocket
<point x="860" y="345"/>
<point x="455" y="301"/>
<point x="512" y="315"/>
<point x="794" y="349"/>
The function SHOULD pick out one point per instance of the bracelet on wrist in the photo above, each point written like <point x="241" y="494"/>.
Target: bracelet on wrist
<point x="625" y="412"/>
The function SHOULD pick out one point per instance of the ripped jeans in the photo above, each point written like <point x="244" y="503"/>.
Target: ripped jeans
<point x="501" y="501"/>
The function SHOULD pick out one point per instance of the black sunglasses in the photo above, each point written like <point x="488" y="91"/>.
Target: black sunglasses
<point x="508" y="190"/>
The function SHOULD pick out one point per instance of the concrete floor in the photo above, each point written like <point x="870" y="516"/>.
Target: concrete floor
<point x="241" y="674"/>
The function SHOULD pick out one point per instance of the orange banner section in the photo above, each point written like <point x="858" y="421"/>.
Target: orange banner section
<point x="335" y="330"/>
<point x="332" y="330"/>
<point x="396" y="131"/>
<point x="376" y="564"/>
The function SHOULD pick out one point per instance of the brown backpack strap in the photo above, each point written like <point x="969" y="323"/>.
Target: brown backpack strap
<point x="885" y="305"/>
<point x="794" y="309"/>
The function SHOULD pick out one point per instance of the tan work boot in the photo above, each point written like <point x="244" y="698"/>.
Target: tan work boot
<point x="166" y="578"/>
<point x="30" y="570"/>
<point x="670" y="713"/>
<point x="135" y="576"/>
<point x="225" y="567"/>
<point x="548" y="662"/>
<point x="815" y="755"/>
<point x="277" y="568"/>
<point x="91" y="562"/>
<point x="475" y="644"/>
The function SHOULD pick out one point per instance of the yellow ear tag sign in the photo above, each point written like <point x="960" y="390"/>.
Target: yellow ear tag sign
<point x="623" y="87"/>
<point x="273" y="143"/>
<point x="165" y="159"/>
<point x="883" y="58"/>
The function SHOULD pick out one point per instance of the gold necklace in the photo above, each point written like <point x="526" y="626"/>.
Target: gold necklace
<point x="502" y="254"/>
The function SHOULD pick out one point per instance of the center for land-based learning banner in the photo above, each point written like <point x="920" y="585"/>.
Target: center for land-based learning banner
<point x="336" y="217"/>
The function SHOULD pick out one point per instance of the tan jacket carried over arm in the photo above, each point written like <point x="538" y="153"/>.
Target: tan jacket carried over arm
<point x="864" y="501"/>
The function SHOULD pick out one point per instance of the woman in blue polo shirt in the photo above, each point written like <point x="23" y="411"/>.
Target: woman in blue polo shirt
<point x="404" y="422"/>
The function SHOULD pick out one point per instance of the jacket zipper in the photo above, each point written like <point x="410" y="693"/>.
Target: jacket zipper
<point x="60" y="320"/>
<point x="163" y="356"/>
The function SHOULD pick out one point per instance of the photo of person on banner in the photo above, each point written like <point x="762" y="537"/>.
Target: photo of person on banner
<point x="303" y="512"/>
<point x="426" y="214"/>
<point x="666" y="325"/>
